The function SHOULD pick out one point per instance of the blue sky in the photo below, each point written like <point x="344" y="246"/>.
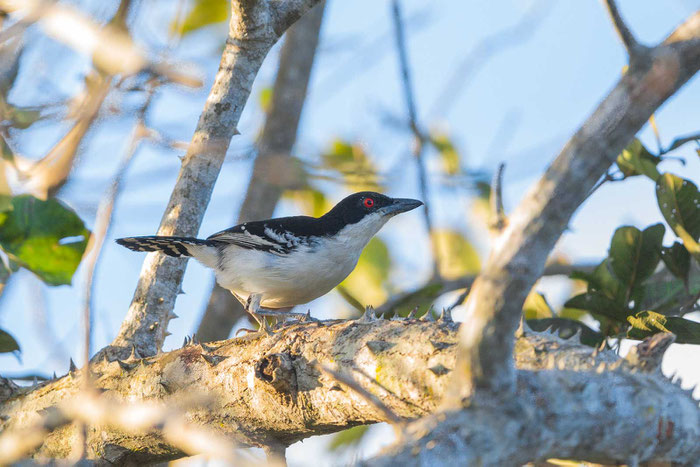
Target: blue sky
<point x="519" y="107"/>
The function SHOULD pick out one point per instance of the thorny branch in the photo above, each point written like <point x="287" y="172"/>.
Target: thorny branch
<point x="495" y="302"/>
<point x="253" y="30"/>
<point x="635" y="50"/>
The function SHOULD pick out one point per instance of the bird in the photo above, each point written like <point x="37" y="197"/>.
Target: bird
<point x="272" y="265"/>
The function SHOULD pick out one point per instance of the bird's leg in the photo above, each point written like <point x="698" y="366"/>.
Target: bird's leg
<point x="252" y="307"/>
<point x="284" y="313"/>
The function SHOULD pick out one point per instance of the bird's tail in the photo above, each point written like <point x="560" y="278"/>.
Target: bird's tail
<point x="171" y="246"/>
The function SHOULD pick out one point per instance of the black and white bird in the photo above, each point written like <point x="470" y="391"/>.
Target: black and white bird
<point x="277" y="264"/>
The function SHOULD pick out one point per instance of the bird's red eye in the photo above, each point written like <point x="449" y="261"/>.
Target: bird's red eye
<point x="368" y="202"/>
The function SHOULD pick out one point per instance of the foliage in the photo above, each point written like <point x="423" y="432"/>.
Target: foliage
<point x="203" y="13"/>
<point x="45" y="237"/>
<point x="7" y="343"/>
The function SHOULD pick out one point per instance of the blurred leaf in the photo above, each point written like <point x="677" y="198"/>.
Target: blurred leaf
<point x="456" y="255"/>
<point x="677" y="260"/>
<point x="679" y="202"/>
<point x="597" y="302"/>
<point x="265" y="98"/>
<point x="203" y="13"/>
<point x="7" y="343"/>
<point x="448" y="153"/>
<point x="347" y="438"/>
<point x="669" y="295"/>
<point x="5" y="151"/>
<point x="637" y="160"/>
<point x="601" y="280"/>
<point x="22" y="117"/>
<point x="45" y="237"/>
<point x="353" y="163"/>
<point x="422" y="299"/>
<point x="634" y="254"/>
<point x="647" y="323"/>
<point x="678" y="142"/>
<point x="567" y="328"/>
<point x="536" y="307"/>
<point x="312" y="201"/>
<point x="366" y="282"/>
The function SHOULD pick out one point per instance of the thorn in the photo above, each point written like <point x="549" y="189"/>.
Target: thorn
<point x="172" y="315"/>
<point x="576" y="338"/>
<point x="213" y="360"/>
<point x="378" y="346"/>
<point x="35" y="382"/>
<point x="193" y="339"/>
<point x="186" y="342"/>
<point x="429" y="316"/>
<point x="396" y="317"/>
<point x="439" y="369"/>
<point x="378" y="314"/>
<point x="208" y="348"/>
<point x="134" y="354"/>
<point x="446" y="315"/>
<point x="413" y="313"/>
<point x="548" y="330"/>
<point x="441" y="345"/>
<point x="71" y="366"/>
<point x="166" y="334"/>
<point x="54" y="375"/>
<point x="180" y="291"/>
<point x="368" y="315"/>
<point x="125" y="366"/>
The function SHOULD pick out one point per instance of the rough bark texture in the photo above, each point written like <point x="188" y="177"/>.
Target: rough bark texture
<point x="254" y="28"/>
<point x="270" y="390"/>
<point x="517" y="260"/>
<point x="608" y="417"/>
<point x="274" y="147"/>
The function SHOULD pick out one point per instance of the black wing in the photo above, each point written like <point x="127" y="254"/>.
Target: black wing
<point x="278" y="236"/>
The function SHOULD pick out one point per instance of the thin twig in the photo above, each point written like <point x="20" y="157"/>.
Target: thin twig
<point x="498" y="215"/>
<point x="420" y="138"/>
<point x="634" y="49"/>
<point x="348" y="381"/>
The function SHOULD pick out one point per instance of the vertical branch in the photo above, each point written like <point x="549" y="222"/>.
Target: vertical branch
<point x="274" y="146"/>
<point x="253" y="30"/>
<point x="419" y="136"/>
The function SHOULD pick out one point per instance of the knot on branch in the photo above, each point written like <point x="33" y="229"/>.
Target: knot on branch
<point x="278" y="371"/>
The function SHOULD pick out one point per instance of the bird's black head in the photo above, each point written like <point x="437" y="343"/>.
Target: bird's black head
<point x="357" y="206"/>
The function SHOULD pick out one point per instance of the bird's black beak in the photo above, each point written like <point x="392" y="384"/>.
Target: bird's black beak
<point x="400" y="205"/>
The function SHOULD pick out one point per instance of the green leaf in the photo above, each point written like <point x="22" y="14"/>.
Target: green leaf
<point x="601" y="280"/>
<point x="366" y="282"/>
<point x="353" y="163"/>
<point x="634" y="255"/>
<point x="597" y="302"/>
<point x="448" y="153"/>
<point x="536" y="307"/>
<point x="647" y="323"/>
<point x="23" y="117"/>
<point x="203" y="13"/>
<point x="637" y="160"/>
<point x="312" y="201"/>
<point x="679" y="202"/>
<point x="45" y="237"/>
<point x="347" y="438"/>
<point x="7" y="343"/>
<point x="677" y="260"/>
<point x="567" y="328"/>
<point x="456" y="255"/>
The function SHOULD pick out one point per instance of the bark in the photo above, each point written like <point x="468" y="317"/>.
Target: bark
<point x="269" y="390"/>
<point x="274" y="147"/>
<point x="254" y="28"/>
<point x="495" y="302"/>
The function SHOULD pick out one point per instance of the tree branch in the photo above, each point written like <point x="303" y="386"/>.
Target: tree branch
<point x="268" y="390"/>
<point x="517" y="260"/>
<point x="275" y="145"/>
<point x="635" y="50"/>
<point x="251" y="35"/>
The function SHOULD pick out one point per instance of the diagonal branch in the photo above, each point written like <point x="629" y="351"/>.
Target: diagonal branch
<point x="517" y="260"/>
<point x="254" y="28"/>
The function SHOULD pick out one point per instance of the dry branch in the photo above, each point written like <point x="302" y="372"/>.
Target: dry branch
<point x="253" y="29"/>
<point x="269" y="391"/>
<point x="518" y="257"/>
